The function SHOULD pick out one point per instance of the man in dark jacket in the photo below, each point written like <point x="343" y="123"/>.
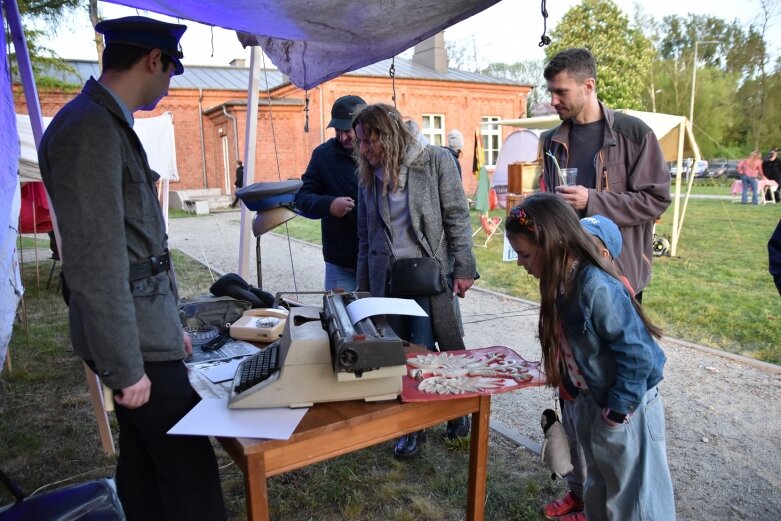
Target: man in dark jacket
<point x="124" y="320"/>
<point x="330" y="192"/>
<point x="771" y="167"/>
<point x="239" y="182"/>
<point x="621" y="174"/>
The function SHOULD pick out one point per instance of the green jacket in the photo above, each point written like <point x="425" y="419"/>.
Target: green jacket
<point x="104" y="197"/>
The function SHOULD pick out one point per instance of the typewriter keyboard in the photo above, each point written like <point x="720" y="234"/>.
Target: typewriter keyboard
<point x="258" y="368"/>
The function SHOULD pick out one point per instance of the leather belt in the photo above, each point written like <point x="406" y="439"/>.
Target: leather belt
<point x="151" y="266"/>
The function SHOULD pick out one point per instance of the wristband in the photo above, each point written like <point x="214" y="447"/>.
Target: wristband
<point x="616" y="416"/>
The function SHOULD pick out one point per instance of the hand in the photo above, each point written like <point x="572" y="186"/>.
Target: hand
<point x="577" y="196"/>
<point x="609" y="422"/>
<point x="341" y="205"/>
<point x="461" y="285"/>
<point x="136" y="395"/>
<point x="188" y="344"/>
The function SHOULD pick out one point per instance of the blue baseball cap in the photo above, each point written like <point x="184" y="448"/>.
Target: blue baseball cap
<point x="607" y="231"/>
<point x="140" y="31"/>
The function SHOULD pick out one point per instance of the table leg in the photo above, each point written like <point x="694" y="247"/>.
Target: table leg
<point x="478" y="461"/>
<point x="255" y="488"/>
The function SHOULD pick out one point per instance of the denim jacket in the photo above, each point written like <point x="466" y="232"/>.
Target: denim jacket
<point x="613" y="349"/>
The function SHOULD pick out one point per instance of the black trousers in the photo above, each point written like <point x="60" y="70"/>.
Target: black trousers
<point x="162" y="477"/>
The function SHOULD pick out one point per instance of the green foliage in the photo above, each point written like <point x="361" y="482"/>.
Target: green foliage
<point x="39" y="18"/>
<point x="528" y="72"/>
<point x="601" y="27"/>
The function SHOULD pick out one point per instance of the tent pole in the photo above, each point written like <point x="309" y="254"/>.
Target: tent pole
<point x="29" y="87"/>
<point x="250" y="144"/>
<point x="677" y="202"/>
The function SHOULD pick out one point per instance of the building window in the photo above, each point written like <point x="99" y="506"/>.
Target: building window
<point x="492" y="138"/>
<point x="434" y="128"/>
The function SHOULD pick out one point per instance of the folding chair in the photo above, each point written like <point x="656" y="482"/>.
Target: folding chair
<point x="489" y="226"/>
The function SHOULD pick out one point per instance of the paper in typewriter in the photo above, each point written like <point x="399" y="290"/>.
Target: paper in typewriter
<point x="456" y="374"/>
<point x="371" y="306"/>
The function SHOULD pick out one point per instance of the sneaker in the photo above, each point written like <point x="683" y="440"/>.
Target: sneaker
<point x="569" y="504"/>
<point x="574" y="516"/>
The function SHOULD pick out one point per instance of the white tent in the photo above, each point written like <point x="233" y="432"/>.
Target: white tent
<point x="675" y="138"/>
<point x="156" y="134"/>
<point x="519" y="147"/>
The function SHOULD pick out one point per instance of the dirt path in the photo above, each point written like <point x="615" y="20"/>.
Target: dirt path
<point x="723" y="421"/>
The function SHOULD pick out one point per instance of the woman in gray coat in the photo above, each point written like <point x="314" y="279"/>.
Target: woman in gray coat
<point x="411" y="204"/>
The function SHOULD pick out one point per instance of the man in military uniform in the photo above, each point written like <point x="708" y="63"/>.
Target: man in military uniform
<point x="123" y="298"/>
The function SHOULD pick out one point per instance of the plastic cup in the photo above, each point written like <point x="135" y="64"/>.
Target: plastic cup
<point x="571" y="176"/>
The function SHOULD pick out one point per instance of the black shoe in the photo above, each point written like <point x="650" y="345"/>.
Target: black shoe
<point x="409" y="446"/>
<point x="458" y="428"/>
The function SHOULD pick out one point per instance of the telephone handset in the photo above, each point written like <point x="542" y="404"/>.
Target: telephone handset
<point x="260" y="325"/>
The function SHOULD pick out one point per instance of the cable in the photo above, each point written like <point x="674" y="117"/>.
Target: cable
<point x="544" y="39"/>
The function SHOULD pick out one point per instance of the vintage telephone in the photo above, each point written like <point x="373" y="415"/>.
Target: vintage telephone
<point x="260" y="325"/>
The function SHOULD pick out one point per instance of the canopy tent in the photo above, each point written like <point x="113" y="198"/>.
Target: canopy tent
<point x="311" y="41"/>
<point x="675" y="138"/>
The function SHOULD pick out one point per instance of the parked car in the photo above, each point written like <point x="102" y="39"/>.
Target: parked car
<point x="726" y="169"/>
<point x="701" y="170"/>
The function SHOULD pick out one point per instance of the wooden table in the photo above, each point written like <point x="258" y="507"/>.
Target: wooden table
<point x="332" y="429"/>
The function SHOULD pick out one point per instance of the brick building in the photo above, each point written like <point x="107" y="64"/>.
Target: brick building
<point x="209" y="105"/>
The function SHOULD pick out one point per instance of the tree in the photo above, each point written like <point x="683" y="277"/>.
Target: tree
<point x="528" y="72"/>
<point x="48" y="13"/>
<point x="623" y="53"/>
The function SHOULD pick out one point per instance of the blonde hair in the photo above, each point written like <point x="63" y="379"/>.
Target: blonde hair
<point x="383" y="124"/>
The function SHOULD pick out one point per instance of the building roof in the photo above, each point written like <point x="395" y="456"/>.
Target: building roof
<point x="406" y="68"/>
<point x="214" y="77"/>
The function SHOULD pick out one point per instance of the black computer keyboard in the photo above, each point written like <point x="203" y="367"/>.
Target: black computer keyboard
<point x="257" y="368"/>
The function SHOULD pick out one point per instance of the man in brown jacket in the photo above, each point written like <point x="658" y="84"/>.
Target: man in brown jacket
<point x="621" y="170"/>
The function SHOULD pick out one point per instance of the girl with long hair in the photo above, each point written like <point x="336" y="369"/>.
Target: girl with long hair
<point x="411" y="204"/>
<point x="595" y="335"/>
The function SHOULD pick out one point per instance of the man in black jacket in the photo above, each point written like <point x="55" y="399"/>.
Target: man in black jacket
<point x="330" y="192"/>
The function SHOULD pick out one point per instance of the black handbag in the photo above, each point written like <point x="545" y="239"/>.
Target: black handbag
<point x="415" y="277"/>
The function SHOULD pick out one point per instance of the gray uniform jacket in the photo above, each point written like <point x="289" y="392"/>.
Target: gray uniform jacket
<point x="436" y="203"/>
<point x="105" y="200"/>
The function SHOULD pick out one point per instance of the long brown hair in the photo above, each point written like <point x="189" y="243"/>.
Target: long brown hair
<point x="383" y="124"/>
<point x="552" y="224"/>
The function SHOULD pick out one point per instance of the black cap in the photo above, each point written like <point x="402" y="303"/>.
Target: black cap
<point x="343" y="111"/>
<point x="774" y="149"/>
<point x="141" y="31"/>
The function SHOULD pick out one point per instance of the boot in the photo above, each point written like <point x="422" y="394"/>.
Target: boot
<point x="458" y="428"/>
<point x="408" y="447"/>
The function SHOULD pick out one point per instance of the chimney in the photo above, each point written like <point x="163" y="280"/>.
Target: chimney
<point x="431" y="53"/>
<point x="238" y="62"/>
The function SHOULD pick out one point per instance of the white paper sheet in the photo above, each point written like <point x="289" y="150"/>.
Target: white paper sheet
<point x="370" y="306"/>
<point x="222" y="372"/>
<point x="212" y="417"/>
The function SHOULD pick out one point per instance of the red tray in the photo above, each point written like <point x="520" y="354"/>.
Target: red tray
<point x="484" y="371"/>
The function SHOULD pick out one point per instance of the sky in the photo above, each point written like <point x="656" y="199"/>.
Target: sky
<point x="507" y="32"/>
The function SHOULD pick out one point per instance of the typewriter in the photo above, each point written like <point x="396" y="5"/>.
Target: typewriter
<point x="323" y="357"/>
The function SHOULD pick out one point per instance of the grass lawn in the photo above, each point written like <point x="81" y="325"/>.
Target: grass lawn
<point x="49" y="438"/>
<point x="716" y="291"/>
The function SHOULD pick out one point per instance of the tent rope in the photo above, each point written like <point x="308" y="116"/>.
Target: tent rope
<point x="392" y="74"/>
<point x="544" y="39"/>
<point x="306" y="112"/>
<point x="276" y="158"/>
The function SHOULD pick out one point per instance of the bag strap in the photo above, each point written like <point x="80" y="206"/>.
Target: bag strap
<point x="393" y="251"/>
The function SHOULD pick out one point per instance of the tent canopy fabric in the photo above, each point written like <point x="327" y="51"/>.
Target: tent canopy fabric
<point x="667" y="128"/>
<point x="313" y="41"/>
<point x="156" y="134"/>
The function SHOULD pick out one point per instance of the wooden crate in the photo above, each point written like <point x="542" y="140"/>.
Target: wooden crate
<point x="513" y="200"/>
